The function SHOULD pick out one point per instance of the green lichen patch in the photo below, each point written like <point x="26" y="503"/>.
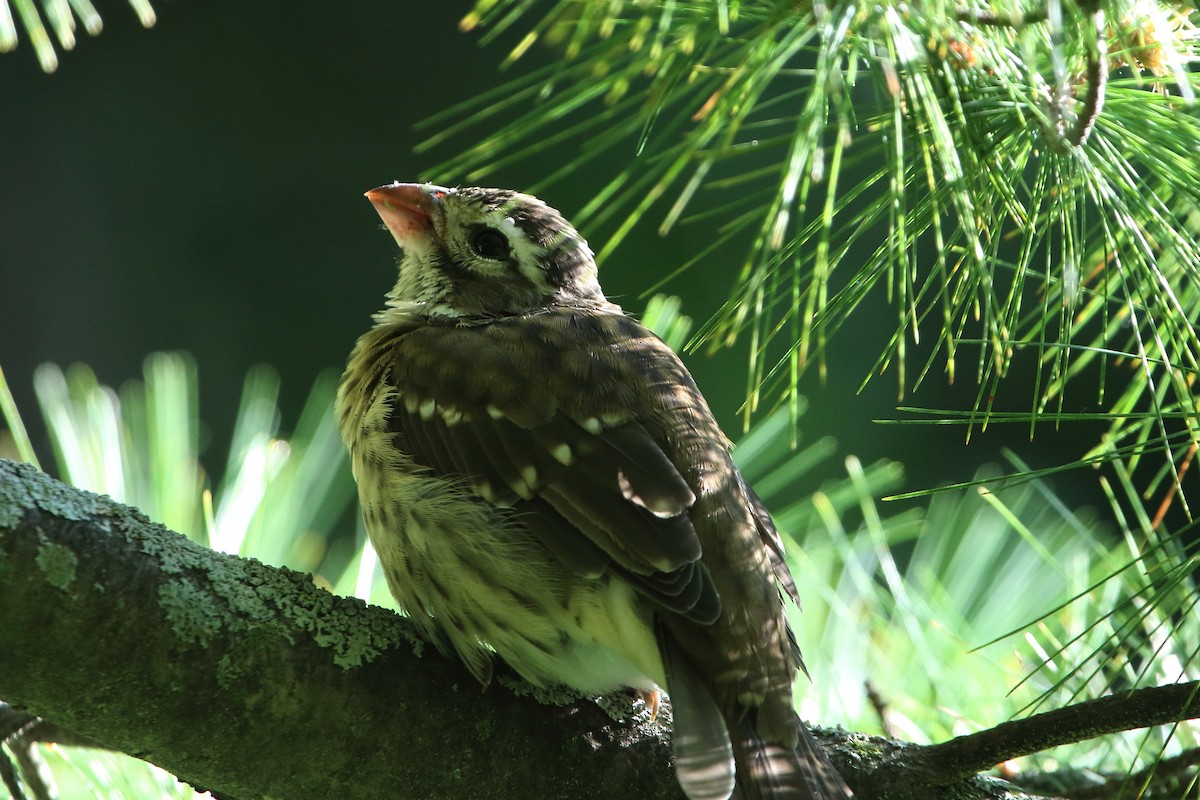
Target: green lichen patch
<point x="174" y="552"/>
<point x="357" y="645"/>
<point x="190" y="612"/>
<point x="10" y="516"/>
<point x="228" y="672"/>
<point x="24" y="487"/>
<point x="546" y="695"/>
<point x="623" y="706"/>
<point x="57" y="563"/>
<point x="11" y="498"/>
<point x="354" y="632"/>
<point x="249" y="599"/>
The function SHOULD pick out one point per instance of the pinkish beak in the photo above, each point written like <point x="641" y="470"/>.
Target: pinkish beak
<point x="407" y="209"/>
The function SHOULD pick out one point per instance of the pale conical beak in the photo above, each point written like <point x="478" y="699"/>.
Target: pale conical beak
<point x="407" y="210"/>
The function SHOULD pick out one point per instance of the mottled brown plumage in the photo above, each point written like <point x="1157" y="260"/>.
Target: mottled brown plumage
<point x="541" y="476"/>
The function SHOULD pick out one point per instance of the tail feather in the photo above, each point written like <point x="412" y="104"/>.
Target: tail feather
<point x="720" y="754"/>
<point x="773" y="771"/>
<point x="704" y="761"/>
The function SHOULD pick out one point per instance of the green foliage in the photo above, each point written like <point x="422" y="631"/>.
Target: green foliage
<point x="14" y="442"/>
<point x="940" y="620"/>
<point x="139" y="446"/>
<point x="64" y="17"/>
<point x="1018" y="179"/>
<point x="664" y="316"/>
<point x="279" y="496"/>
<point x="81" y="774"/>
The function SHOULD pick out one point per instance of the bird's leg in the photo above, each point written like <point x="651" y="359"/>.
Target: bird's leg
<point x="651" y="698"/>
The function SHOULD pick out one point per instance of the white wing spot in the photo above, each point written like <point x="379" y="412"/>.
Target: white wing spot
<point x="635" y="498"/>
<point x="529" y="475"/>
<point x="562" y="454"/>
<point x="494" y="412"/>
<point x="592" y="425"/>
<point x="427" y="408"/>
<point x="627" y="488"/>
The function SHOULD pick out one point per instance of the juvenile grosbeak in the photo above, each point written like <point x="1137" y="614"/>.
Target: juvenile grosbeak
<point x="541" y="478"/>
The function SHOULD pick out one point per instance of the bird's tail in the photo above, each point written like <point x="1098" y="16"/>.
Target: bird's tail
<point x="773" y="771"/>
<point x="720" y="754"/>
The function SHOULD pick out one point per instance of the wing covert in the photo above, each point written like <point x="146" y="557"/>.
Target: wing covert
<point x="591" y="483"/>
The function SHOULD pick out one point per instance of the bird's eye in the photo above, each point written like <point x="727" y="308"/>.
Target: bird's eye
<point x="489" y="243"/>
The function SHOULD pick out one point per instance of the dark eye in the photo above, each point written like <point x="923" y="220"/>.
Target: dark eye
<point x="489" y="243"/>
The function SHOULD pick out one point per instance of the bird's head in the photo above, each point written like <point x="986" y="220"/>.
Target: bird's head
<point x="473" y="253"/>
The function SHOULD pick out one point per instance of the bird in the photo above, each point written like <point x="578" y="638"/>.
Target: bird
<point x="543" y="481"/>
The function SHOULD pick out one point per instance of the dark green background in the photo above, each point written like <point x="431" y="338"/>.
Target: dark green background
<point x="198" y="186"/>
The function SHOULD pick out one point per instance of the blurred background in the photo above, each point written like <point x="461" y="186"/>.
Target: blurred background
<point x="198" y="187"/>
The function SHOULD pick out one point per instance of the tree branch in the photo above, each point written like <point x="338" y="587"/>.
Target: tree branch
<point x="1141" y="708"/>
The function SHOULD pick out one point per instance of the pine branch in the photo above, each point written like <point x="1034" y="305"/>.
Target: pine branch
<point x="63" y="18"/>
<point x="1016" y="178"/>
<point x="1181" y="767"/>
<point x="1141" y="708"/>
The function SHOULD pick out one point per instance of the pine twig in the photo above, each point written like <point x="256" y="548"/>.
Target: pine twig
<point x="1016" y="19"/>
<point x="1163" y="769"/>
<point x="1141" y="708"/>
<point x="1097" y="77"/>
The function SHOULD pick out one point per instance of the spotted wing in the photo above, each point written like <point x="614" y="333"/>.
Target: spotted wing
<point x="545" y="415"/>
